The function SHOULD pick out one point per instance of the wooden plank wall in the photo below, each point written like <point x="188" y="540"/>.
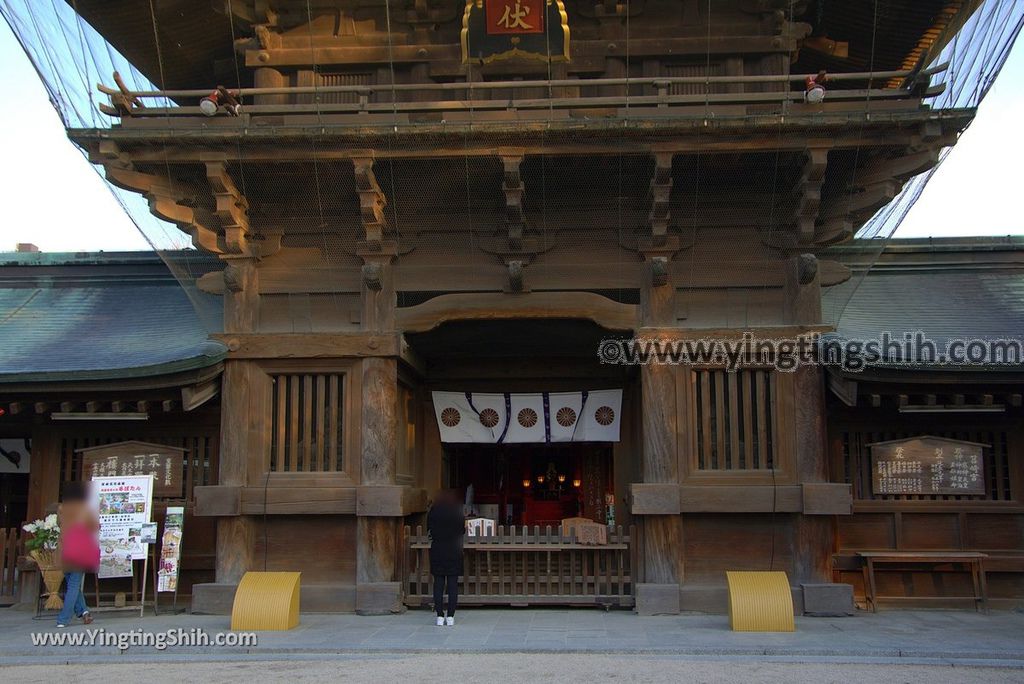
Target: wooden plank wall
<point x="992" y="523"/>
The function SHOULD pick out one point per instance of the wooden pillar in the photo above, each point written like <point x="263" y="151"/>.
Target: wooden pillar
<point x="245" y="395"/>
<point x="379" y="499"/>
<point x="656" y="499"/>
<point x="241" y="295"/>
<point x="266" y="77"/>
<point x="815" y="540"/>
<point x="44" y="475"/>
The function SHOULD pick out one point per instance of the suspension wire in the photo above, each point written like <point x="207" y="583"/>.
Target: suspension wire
<point x="695" y="229"/>
<point x="393" y="202"/>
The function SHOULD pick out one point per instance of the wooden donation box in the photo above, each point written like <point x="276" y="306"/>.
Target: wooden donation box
<point x="163" y="462"/>
<point x="927" y="466"/>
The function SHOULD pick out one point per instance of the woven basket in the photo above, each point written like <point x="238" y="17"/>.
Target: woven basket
<point x="52" y="574"/>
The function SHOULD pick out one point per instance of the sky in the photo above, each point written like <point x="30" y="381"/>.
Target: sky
<point x="54" y="198"/>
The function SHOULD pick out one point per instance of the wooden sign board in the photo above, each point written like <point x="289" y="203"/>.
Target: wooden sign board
<point x="137" y="458"/>
<point x="927" y="465"/>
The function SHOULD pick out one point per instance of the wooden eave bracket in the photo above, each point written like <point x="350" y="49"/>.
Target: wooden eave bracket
<point x="809" y="187"/>
<point x="661" y="191"/>
<point x="231" y="208"/>
<point x="512" y="186"/>
<point x="371" y="200"/>
<point x="194" y="396"/>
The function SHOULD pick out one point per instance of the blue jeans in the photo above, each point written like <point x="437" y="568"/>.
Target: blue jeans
<point x="74" y="597"/>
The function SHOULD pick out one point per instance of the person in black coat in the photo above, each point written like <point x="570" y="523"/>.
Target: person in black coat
<point x="446" y="526"/>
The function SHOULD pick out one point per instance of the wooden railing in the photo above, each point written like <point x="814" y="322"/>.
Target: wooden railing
<point x="11" y="541"/>
<point x="530" y="566"/>
<point x="559" y="94"/>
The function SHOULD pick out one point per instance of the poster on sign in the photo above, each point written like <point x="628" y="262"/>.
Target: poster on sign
<point x="170" y="549"/>
<point x="124" y="505"/>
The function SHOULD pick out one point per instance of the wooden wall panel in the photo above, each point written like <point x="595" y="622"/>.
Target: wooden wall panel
<point x="866" y="531"/>
<point x="927" y="531"/>
<point x="992" y="531"/>
<point x="323" y="548"/>
<point x="716" y="543"/>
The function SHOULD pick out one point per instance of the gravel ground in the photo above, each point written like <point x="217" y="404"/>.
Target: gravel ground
<point x="494" y="668"/>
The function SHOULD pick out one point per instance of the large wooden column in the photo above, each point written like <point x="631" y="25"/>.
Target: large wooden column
<point x="242" y="446"/>
<point x="815" y="528"/>
<point x="379" y="498"/>
<point x="656" y="498"/>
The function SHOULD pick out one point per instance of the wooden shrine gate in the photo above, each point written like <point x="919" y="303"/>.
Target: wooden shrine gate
<point x="524" y="566"/>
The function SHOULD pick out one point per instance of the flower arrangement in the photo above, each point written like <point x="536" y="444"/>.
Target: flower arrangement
<point x="43" y="549"/>
<point x="45" y="534"/>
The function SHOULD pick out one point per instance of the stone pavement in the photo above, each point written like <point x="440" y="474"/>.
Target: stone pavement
<point x="895" y="635"/>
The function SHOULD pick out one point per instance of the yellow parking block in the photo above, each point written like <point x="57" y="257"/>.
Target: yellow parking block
<point x="266" y="601"/>
<point x="760" y="602"/>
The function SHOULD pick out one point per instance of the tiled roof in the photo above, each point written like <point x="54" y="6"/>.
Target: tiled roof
<point x="97" y="317"/>
<point x="952" y="289"/>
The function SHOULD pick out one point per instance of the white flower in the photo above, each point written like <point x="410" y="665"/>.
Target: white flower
<point x="30" y="528"/>
<point x="50" y="522"/>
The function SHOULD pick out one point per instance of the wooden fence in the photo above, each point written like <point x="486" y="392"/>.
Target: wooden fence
<point x="11" y="541"/>
<point x="524" y="566"/>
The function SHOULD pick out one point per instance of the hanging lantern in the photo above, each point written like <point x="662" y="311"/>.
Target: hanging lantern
<point x="526" y="484"/>
<point x="540" y="479"/>
<point x="576" y="483"/>
<point x="561" y="479"/>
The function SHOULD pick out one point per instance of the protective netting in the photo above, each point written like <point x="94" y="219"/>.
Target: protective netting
<point x="588" y="197"/>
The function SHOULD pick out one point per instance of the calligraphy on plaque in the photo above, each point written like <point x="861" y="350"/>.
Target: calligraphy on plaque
<point x="123" y="459"/>
<point x="928" y="466"/>
<point x="506" y="29"/>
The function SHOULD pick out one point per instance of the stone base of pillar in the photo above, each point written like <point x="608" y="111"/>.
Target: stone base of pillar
<point x="379" y="598"/>
<point x="213" y="598"/>
<point x="657" y="599"/>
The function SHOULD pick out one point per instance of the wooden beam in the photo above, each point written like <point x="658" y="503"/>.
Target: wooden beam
<point x="309" y="346"/>
<point x="453" y="307"/>
<point x="449" y="57"/>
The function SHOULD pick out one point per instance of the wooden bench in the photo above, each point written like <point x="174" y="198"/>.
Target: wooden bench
<point x="973" y="560"/>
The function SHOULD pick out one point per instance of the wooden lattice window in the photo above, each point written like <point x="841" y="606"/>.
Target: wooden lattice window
<point x="691" y="70"/>
<point x="342" y="79"/>
<point x="735" y="419"/>
<point x="307" y="423"/>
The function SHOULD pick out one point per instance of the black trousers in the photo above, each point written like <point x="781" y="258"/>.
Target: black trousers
<point x="452" y="582"/>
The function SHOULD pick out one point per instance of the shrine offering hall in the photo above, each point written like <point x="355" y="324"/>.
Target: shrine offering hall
<point x="410" y="246"/>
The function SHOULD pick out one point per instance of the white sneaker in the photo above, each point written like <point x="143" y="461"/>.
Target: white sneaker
<point x="440" y="621"/>
<point x="450" y="621"/>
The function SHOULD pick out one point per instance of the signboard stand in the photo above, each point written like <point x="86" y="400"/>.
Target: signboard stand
<point x="125" y="508"/>
<point x="167" y="572"/>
